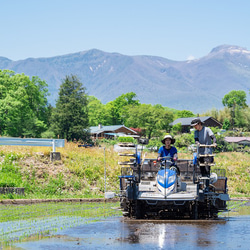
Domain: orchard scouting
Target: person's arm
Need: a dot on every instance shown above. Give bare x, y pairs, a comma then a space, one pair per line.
196, 139
214, 139
159, 154
212, 136
175, 157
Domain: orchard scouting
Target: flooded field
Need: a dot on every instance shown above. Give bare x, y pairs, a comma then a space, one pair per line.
101, 226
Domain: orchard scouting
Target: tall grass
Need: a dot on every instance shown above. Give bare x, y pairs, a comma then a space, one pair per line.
237, 166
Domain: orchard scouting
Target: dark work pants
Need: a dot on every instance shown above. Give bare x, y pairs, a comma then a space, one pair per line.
205, 170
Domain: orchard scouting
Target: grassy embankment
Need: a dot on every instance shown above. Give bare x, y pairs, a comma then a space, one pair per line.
80, 172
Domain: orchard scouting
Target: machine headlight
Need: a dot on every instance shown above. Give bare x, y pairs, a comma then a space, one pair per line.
171, 178
161, 179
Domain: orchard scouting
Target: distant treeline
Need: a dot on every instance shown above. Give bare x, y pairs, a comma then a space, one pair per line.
25, 111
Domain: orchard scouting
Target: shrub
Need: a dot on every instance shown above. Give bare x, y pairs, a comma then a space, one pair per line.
154, 143
126, 139
48, 134
184, 140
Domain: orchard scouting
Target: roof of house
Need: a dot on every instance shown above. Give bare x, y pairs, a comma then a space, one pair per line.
237, 139
113, 128
187, 120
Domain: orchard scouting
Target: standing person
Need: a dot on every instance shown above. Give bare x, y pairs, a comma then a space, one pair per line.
167, 149
204, 135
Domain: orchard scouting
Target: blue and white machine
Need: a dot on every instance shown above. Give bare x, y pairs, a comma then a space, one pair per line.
166, 181
152, 189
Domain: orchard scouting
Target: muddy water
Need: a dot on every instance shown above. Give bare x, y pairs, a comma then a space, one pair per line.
232, 231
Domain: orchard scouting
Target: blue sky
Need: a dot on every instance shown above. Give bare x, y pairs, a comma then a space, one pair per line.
176, 29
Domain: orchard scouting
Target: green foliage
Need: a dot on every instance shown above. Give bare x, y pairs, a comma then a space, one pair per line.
176, 129
184, 140
150, 118
48, 134
242, 118
54, 186
24, 109
214, 113
235, 100
70, 117
10, 175
117, 111
152, 143
226, 124
107, 142
126, 139
96, 112
114, 112
184, 113
230, 147
235, 97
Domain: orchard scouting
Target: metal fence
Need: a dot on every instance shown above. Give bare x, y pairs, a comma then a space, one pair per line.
14, 141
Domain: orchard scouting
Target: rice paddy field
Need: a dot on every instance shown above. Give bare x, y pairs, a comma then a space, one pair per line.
81, 173
23, 222
99, 226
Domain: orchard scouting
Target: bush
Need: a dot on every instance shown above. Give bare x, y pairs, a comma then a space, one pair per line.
184, 140
154, 143
48, 134
176, 129
126, 139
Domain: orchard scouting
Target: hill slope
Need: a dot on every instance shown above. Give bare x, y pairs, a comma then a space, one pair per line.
196, 85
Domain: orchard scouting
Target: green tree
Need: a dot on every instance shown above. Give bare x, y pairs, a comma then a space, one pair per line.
149, 118
235, 98
247, 116
70, 117
214, 113
96, 111
176, 129
24, 109
226, 124
242, 118
184, 113
117, 110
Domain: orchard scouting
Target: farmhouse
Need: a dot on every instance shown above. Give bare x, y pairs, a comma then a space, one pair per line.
244, 141
207, 120
99, 132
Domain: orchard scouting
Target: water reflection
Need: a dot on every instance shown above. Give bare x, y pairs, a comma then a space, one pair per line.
171, 234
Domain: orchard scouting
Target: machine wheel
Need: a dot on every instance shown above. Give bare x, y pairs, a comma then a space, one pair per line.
139, 210
194, 211
136, 210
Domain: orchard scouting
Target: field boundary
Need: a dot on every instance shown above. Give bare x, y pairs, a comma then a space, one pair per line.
35, 201
80, 200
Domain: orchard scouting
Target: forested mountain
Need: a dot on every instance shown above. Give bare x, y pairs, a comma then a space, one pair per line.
196, 85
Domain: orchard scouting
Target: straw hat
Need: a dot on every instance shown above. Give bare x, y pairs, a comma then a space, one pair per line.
166, 137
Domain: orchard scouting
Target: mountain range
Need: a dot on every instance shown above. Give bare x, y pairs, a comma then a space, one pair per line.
196, 85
